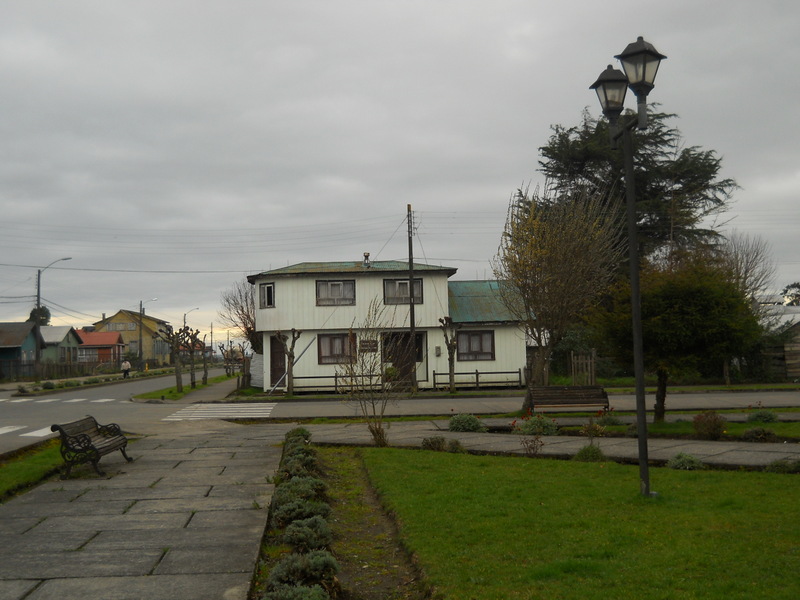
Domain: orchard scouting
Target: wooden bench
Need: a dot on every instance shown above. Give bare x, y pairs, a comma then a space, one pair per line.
84, 441
551, 396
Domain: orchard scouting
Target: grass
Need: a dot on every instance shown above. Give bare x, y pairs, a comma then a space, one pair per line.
28, 468
172, 393
504, 528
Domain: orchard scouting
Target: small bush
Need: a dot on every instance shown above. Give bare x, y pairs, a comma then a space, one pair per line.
455, 447
296, 447
92, 380
296, 510
317, 567
709, 425
297, 592
464, 422
72, 383
299, 488
298, 466
593, 430
536, 425
590, 453
298, 433
308, 534
436, 443
607, 417
22, 389
759, 434
532, 445
762, 416
783, 466
48, 385
685, 462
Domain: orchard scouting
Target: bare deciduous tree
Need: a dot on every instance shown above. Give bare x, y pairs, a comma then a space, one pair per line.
176, 340
557, 254
288, 347
363, 374
239, 312
749, 260
450, 332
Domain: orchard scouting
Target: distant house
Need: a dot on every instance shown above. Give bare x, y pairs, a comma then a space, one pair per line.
100, 347
328, 300
18, 342
128, 323
61, 344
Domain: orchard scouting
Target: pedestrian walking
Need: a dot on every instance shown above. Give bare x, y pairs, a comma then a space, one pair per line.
126, 368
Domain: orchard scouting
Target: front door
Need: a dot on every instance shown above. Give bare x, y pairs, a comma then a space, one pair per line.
277, 361
399, 352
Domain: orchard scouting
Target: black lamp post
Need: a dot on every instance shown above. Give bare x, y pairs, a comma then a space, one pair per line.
640, 61
140, 366
37, 326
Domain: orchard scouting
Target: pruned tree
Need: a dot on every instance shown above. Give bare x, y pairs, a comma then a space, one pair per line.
556, 256
450, 333
192, 341
363, 374
205, 362
239, 313
40, 315
288, 348
176, 339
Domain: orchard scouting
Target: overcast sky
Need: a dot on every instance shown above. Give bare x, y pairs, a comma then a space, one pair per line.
171, 148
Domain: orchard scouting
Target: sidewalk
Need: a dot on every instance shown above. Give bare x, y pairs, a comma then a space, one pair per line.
185, 519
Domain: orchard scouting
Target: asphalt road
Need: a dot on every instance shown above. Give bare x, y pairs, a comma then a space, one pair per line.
25, 420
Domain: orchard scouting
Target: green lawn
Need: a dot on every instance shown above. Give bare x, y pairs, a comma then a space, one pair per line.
29, 468
501, 528
172, 392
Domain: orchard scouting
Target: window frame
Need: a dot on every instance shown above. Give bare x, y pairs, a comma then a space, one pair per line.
347, 285
470, 354
266, 300
349, 345
398, 299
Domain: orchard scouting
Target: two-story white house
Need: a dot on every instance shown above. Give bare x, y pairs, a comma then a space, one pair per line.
327, 302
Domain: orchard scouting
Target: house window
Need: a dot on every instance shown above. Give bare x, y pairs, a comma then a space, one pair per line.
336, 293
266, 295
336, 348
475, 345
395, 291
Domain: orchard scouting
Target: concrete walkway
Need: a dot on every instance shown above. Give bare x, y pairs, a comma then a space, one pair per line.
185, 519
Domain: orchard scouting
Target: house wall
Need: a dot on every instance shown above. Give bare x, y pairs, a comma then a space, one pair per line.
127, 324
54, 354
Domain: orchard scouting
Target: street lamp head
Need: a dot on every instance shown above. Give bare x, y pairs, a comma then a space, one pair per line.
640, 61
611, 87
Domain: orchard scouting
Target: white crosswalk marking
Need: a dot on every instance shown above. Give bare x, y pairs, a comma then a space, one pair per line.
10, 428
75, 400
255, 410
46, 400
37, 433
104, 400
21, 400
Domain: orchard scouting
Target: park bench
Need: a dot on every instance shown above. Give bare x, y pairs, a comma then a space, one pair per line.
85, 441
551, 396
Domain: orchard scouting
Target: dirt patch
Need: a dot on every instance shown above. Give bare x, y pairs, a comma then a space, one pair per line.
374, 564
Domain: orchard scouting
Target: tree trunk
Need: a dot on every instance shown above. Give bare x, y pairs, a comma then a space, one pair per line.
451, 363
726, 371
661, 395
290, 373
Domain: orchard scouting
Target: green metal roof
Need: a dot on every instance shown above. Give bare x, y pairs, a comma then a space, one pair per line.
476, 302
351, 267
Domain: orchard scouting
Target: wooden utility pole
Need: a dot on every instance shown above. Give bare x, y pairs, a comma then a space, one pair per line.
412, 328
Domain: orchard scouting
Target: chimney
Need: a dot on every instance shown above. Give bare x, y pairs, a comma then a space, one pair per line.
366, 264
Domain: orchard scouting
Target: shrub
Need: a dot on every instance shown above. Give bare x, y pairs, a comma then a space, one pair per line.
437, 443
607, 417
304, 535
709, 425
22, 389
455, 447
536, 425
762, 416
296, 447
295, 510
48, 385
298, 433
92, 380
590, 453
685, 462
297, 592
783, 466
593, 430
464, 422
72, 383
532, 445
299, 488
317, 567
759, 434
298, 466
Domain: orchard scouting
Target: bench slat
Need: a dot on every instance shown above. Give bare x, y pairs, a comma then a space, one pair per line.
85, 440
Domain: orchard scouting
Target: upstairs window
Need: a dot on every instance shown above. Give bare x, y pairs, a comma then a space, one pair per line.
396, 291
336, 293
266, 295
475, 345
336, 348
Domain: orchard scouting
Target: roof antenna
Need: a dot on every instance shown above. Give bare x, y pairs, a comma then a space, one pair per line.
366, 264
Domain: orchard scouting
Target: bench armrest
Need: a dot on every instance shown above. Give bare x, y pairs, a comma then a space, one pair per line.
110, 430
